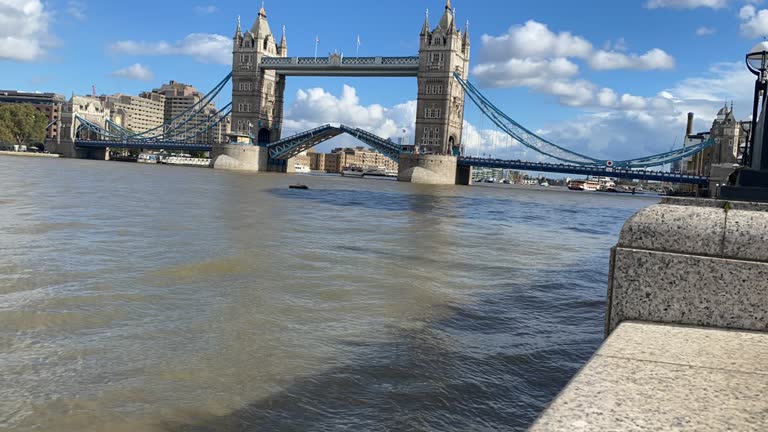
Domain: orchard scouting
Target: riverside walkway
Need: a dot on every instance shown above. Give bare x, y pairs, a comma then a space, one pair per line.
687, 318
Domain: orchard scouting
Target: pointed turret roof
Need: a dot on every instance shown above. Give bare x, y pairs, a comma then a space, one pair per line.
283, 40
466, 33
425, 29
446, 22
238, 31
261, 26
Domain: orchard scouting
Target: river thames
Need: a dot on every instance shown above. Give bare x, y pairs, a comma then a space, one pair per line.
154, 298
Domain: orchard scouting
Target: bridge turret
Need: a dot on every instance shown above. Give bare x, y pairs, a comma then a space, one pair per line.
257, 94
440, 107
425, 30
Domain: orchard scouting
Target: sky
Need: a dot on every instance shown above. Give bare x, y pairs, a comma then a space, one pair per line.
610, 79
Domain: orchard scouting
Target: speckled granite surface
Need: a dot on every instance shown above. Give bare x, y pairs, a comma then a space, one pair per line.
651, 377
696, 264
676, 229
703, 202
746, 235
684, 289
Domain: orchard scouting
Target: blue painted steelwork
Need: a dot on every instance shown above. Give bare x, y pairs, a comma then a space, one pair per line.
146, 145
199, 107
293, 145
122, 142
583, 170
547, 148
118, 129
385, 147
289, 147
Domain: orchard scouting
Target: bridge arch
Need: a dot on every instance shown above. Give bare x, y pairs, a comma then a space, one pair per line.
264, 136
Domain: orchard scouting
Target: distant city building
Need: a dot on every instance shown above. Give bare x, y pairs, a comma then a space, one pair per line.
179, 99
49, 104
138, 114
341, 158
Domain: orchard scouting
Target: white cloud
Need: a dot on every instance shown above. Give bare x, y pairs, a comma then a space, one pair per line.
754, 23
77, 9
533, 56
203, 47
314, 107
747, 12
136, 71
705, 31
611, 60
205, 10
23, 29
533, 40
686, 4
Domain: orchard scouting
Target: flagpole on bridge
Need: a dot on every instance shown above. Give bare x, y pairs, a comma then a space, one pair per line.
357, 51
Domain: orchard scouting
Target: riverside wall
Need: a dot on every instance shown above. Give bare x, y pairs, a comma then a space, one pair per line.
687, 326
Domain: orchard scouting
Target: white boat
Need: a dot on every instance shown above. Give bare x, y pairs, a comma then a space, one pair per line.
375, 172
148, 158
301, 169
584, 185
353, 172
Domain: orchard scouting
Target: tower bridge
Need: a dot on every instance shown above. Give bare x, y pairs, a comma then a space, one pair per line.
261, 65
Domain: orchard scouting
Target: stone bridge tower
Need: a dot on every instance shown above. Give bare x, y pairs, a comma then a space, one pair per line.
257, 95
440, 107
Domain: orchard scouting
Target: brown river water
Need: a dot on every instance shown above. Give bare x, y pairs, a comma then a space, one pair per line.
156, 298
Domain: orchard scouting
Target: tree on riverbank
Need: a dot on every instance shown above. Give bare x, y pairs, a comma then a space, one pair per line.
21, 124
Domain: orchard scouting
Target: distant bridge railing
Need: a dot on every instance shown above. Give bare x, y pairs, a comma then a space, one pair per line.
338, 65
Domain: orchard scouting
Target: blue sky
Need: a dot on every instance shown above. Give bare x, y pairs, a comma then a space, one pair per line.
612, 79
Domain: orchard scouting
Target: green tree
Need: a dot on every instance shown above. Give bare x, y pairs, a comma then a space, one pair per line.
22, 124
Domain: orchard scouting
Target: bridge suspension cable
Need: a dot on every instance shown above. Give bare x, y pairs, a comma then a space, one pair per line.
171, 130
187, 115
547, 148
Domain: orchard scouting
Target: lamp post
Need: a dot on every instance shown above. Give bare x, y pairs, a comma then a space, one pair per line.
750, 182
757, 63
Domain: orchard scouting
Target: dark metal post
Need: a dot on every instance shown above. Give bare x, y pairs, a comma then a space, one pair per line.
747, 158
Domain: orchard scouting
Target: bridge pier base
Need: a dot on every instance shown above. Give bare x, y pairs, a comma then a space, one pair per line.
427, 169
239, 157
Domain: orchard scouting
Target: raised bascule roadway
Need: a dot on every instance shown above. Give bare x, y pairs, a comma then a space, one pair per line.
259, 70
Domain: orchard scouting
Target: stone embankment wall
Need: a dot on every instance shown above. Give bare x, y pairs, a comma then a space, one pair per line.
692, 262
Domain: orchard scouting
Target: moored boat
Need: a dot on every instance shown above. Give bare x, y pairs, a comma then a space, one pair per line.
353, 172
301, 169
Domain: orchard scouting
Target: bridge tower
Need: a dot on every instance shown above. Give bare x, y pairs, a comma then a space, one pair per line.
257, 94
440, 108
